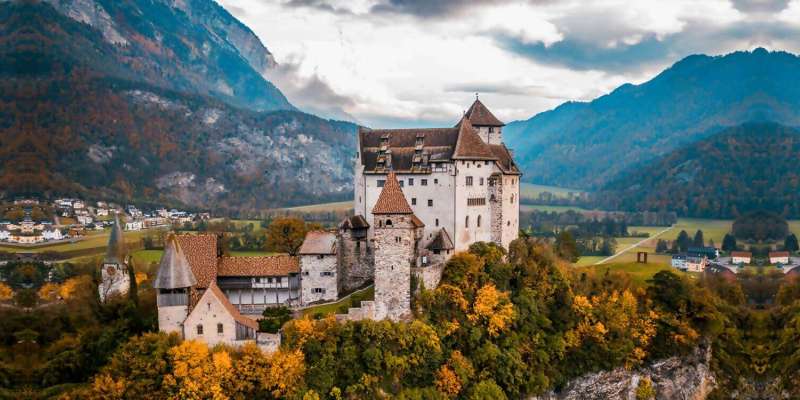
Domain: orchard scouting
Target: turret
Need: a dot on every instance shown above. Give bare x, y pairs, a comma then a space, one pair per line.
174, 282
397, 232
114, 274
489, 128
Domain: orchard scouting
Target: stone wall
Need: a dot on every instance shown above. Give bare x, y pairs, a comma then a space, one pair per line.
429, 275
356, 264
496, 200
313, 270
394, 256
268, 342
170, 319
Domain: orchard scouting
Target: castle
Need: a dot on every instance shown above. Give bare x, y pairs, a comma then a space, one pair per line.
115, 274
420, 196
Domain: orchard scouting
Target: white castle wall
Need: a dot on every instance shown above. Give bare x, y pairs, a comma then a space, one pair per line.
170, 319
312, 268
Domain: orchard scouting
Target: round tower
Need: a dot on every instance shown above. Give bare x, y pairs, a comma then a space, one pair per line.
114, 276
397, 232
174, 281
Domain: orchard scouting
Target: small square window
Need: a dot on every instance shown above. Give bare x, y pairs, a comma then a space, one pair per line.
413, 201
435, 181
401, 183
410, 181
469, 181
423, 182
381, 182
199, 329
480, 181
220, 328
430, 202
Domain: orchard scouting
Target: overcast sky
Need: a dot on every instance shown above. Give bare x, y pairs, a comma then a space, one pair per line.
396, 63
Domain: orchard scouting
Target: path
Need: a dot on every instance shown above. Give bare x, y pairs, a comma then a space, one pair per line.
635, 245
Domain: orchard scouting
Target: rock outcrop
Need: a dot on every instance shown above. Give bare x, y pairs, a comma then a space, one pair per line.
685, 378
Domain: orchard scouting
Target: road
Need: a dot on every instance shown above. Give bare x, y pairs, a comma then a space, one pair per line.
633, 246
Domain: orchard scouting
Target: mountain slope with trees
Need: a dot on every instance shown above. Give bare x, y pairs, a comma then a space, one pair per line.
79, 117
585, 145
745, 168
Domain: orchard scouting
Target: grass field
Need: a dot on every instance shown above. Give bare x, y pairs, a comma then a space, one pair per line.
532, 191
639, 273
529, 207
353, 301
93, 239
712, 228
324, 207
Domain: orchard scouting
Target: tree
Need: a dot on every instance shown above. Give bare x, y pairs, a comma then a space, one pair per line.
728, 243
274, 318
683, 241
285, 235
609, 246
566, 247
6, 293
661, 246
790, 243
698, 241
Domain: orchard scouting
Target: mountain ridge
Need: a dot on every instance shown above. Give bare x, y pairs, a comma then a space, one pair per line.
585, 144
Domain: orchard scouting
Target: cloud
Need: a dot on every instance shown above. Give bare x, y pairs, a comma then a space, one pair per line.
310, 93
760, 6
321, 5
431, 8
507, 88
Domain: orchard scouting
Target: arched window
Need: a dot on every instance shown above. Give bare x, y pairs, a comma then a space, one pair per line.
388, 222
466, 222
479, 221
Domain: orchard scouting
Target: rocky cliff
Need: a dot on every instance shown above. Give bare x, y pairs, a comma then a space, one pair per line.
685, 378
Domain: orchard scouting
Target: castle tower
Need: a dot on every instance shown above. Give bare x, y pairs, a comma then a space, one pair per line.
114, 275
397, 232
174, 281
489, 128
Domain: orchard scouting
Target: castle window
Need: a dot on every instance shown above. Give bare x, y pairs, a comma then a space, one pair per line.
485, 163
466, 222
381, 182
424, 182
220, 328
326, 273
413, 201
508, 223
430, 202
199, 329
398, 239
321, 256
436, 251
476, 201
435, 181
437, 221
318, 290
512, 199
380, 224
388, 222
410, 181
469, 181
480, 181
401, 183
479, 221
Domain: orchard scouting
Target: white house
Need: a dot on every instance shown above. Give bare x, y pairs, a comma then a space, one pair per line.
779, 257
741, 257
134, 225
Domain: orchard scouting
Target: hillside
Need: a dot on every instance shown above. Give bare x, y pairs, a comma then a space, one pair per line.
79, 118
585, 145
744, 168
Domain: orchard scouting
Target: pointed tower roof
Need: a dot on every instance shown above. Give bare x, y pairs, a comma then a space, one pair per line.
469, 145
479, 115
174, 271
116, 250
391, 199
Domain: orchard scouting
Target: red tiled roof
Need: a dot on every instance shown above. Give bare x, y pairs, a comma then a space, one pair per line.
215, 290
282, 265
391, 200
778, 254
741, 254
469, 145
479, 115
319, 242
417, 222
201, 252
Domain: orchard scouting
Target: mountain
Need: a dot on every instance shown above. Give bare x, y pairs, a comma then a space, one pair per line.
586, 145
754, 166
82, 113
185, 45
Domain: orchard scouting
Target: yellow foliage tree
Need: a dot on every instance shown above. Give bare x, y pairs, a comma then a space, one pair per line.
285, 374
69, 288
49, 291
141, 277
447, 382
6, 293
195, 375
493, 308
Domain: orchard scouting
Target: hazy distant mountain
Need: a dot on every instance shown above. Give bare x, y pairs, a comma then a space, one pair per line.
135, 107
585, 145
740, 169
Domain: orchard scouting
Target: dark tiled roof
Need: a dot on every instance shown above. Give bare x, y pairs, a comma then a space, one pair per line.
391, 200
258, 266
116, 251
354, 222
217, 292
319, 242
479, 115
437, 145
470, 146
201, 252
174, 271
441, 241
504, 159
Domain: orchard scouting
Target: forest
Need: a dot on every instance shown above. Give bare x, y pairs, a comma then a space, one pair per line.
741, 169
498, 326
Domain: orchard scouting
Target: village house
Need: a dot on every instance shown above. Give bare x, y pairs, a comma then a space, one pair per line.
690, 262
134, 225
741, 257
779, 257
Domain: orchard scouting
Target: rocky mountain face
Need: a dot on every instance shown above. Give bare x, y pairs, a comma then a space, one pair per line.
192, 46
91, 106
689, 377
586, 145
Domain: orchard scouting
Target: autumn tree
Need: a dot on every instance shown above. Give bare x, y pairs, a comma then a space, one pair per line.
286, 235
6, 293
